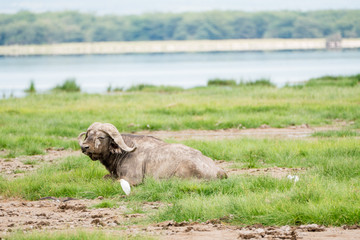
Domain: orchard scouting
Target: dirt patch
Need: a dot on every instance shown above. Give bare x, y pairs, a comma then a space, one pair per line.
16, 167
276, 172
215, 229
264, 131
56, 214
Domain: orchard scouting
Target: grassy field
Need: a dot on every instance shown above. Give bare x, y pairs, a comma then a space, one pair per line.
327, 193
31, 124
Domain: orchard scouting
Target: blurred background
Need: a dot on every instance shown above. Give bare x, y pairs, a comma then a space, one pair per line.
104, 45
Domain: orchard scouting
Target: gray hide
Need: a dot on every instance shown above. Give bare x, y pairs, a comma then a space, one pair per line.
133, 157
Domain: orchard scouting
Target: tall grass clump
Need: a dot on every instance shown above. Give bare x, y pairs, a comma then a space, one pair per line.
153, 88
262, 82
114, 89
31, 88
336, 81
221, 82
68, 86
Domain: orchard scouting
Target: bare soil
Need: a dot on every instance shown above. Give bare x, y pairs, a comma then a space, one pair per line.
276, 172
66, 213
264, 131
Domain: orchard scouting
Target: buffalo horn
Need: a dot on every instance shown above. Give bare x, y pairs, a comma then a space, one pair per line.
114, 134
80, 140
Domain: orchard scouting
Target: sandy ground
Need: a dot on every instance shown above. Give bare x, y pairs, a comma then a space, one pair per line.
66, 213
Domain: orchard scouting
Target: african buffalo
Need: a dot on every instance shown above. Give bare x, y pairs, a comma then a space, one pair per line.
133, 157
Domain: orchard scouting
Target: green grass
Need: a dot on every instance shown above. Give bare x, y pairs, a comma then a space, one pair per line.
76, 177
31, 124
337, 133
31, 88
263, 82
29, 162
221, 82
337, 81
106, 204
327, 193
153, 88
69, 85
74, 235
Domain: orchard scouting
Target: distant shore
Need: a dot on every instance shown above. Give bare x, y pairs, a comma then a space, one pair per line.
173, 46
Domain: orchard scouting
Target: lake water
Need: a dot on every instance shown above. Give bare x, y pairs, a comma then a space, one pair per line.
94, 73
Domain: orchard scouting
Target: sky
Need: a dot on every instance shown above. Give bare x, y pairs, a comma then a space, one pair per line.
125, 7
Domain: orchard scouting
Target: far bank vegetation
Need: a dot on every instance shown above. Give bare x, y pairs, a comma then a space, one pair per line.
71, 26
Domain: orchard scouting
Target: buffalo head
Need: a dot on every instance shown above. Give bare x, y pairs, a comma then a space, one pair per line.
102, 139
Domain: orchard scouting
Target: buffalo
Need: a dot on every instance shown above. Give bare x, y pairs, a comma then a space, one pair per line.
133, 157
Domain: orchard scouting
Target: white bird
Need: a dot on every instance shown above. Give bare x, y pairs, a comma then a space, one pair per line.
125, 186
295, 178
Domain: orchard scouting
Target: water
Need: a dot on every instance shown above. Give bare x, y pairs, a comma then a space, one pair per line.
94, 73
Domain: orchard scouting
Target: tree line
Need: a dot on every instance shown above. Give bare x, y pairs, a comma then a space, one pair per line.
70, 26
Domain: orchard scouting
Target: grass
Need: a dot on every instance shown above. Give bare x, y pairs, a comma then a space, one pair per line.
39, 121
263, 82
114, 89
29, 162
327, 193
338, 81
221, 82
337, 133
68, 86
153, 88
106, 204
74, 235
74, 177
31, 88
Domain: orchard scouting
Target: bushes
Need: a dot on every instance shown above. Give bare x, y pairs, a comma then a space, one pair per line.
31, 88
221, 82
71, 26
153, 88
338, 81
68, 86
232, 83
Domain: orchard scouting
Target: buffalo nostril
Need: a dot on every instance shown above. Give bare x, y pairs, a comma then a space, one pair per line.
84, 148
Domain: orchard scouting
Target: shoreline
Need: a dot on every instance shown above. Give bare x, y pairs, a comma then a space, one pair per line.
187, 46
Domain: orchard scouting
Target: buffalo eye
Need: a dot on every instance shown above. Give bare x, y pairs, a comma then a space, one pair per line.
101, 138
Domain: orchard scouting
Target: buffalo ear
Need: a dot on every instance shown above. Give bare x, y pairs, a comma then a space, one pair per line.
114, 147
